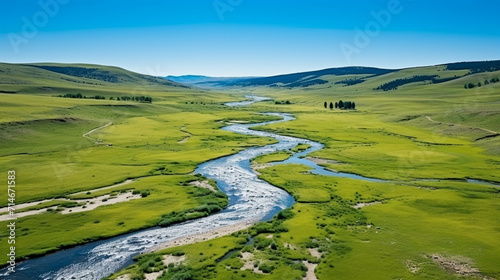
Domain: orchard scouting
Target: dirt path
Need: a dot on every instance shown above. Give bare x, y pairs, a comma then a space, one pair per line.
97, 141
483, 129
25, 205
431, 120
87, 205
310, 271
183, 129
34, 203
91, 204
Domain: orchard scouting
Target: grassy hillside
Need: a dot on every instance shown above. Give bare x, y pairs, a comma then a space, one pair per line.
446, 108
88, 79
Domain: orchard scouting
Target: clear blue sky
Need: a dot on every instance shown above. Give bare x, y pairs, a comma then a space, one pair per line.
248, 37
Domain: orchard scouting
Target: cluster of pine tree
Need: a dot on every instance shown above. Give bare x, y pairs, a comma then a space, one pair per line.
486, 82
343, 105
142, 98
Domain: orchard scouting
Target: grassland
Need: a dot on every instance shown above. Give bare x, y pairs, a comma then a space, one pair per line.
41, 138
273, 157
53, 160
423, 139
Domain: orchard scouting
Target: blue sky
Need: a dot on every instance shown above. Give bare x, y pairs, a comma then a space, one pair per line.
248, 37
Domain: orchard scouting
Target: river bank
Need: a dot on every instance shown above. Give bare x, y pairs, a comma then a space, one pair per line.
215, 233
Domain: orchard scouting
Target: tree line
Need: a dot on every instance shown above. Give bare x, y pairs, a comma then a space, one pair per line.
89, 73
145, 99
342, 105
476, 66
393, 85
350, 82
486, 82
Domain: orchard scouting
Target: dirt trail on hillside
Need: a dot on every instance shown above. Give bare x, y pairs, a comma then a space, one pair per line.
483, 129
97, 141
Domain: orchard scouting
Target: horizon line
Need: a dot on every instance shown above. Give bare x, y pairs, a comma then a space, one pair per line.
249, 76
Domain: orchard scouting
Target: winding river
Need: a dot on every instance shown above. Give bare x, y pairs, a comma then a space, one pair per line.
250, 199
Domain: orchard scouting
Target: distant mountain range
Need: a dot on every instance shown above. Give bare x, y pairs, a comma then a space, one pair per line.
199, 80
320, 77
290, 80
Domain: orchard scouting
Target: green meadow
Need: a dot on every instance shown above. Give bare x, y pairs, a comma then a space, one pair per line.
424, 140
157, 145
53, 160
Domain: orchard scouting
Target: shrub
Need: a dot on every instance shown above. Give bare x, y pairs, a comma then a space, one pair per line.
266, 268
284, 214
208, 208
262, 243
312, 245
69, 204
172, 220
137, 276
220, 194
179, 273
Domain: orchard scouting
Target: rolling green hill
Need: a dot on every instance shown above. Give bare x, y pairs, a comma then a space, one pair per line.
55, 78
